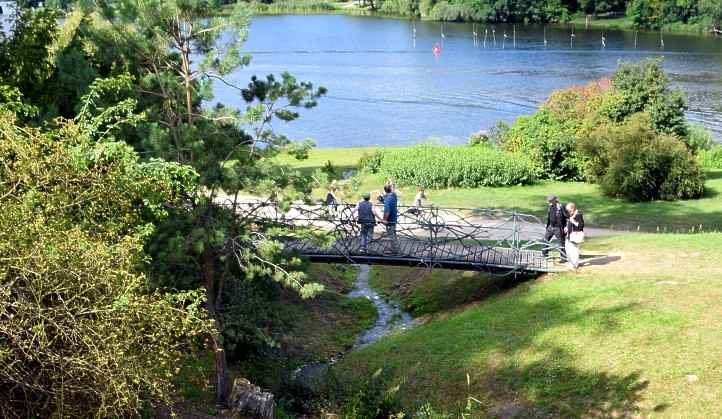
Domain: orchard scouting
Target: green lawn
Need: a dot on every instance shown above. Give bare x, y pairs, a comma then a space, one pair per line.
341, 158
637, 337
604, 23
599, 210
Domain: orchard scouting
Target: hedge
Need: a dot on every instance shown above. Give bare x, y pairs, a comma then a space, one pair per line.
444, 166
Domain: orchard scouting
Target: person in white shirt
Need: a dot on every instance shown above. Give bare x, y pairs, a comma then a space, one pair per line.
415, 209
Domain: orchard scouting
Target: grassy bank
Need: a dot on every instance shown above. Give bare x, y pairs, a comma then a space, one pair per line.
424, 292
636, 337
600, 210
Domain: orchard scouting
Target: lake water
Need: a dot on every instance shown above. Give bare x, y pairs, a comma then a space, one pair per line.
384, 88
7, 16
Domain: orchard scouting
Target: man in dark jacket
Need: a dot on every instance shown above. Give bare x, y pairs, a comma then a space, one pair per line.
367, 217
556, 222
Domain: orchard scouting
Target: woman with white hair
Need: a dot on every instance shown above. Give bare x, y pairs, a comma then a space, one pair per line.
574, 234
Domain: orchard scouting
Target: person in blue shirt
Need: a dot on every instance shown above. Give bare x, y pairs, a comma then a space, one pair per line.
391, 212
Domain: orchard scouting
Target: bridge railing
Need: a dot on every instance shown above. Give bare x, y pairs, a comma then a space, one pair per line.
430, 235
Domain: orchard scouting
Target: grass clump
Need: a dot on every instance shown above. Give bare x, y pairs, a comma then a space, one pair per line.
440, 166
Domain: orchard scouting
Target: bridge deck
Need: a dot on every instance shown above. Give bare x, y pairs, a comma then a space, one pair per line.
410, 252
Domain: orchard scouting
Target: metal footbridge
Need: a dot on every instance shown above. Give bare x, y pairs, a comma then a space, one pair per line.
492, 240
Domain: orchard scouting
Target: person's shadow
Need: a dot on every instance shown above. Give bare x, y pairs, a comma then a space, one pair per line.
597, 260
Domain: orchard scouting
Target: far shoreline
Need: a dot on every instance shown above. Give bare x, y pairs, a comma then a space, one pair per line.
577, 21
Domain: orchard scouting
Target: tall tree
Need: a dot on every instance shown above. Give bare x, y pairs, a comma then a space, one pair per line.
209, 243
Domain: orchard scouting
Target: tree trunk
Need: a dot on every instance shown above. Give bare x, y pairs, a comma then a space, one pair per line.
219, 354
187, 76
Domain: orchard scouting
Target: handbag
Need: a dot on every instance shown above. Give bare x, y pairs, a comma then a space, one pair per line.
576, 237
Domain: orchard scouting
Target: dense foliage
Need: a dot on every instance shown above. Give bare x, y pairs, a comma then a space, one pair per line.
80, 334
653, 14
152, 64
628, 133
548, 143
578, 134
371, 161
638, 163
440, 166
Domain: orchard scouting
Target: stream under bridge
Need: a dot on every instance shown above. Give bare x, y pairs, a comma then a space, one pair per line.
493, 240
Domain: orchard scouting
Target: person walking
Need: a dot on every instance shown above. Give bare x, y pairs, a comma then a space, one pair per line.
367, 216
574, 234
556, 222
391, 213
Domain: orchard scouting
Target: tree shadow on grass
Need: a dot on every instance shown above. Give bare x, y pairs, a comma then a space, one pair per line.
516, 349
551, 387
555, 385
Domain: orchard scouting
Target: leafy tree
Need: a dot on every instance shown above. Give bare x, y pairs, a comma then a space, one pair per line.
712, 9
645, 87
207, 242
26, 60
80, 334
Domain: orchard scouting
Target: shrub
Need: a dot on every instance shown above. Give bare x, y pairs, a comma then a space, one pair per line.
638, 163
548, 143
442, 166
400, 7
712, 158
497, 132
454, 12
698, 138
479, 138
80, 334
375, 397
371, 162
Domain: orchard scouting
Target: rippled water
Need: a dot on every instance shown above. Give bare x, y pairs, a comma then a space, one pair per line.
385, 88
